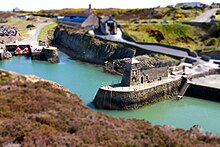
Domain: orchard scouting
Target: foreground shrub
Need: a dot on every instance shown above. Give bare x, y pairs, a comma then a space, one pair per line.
212, 42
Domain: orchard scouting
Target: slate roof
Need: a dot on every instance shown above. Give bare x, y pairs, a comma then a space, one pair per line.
92, 20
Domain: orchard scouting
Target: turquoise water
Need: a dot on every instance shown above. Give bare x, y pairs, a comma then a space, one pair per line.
85, 79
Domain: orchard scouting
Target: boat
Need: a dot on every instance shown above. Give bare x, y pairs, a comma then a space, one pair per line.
7, 55
18, 51
25, 51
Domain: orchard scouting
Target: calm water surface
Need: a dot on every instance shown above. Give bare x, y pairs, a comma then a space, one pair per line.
85, 79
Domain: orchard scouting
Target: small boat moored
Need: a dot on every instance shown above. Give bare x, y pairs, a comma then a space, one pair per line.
18, 51
7, 55
25, 51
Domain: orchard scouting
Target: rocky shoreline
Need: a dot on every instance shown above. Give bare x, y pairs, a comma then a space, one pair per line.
39, 112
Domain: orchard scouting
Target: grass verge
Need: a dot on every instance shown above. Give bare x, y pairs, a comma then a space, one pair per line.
47, 32
171, 34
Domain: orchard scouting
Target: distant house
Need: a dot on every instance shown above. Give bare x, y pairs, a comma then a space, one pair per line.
87, 20
215, 4
16, 10
191, 5
108, 25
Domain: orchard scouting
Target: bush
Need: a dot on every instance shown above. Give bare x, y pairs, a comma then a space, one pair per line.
212, 42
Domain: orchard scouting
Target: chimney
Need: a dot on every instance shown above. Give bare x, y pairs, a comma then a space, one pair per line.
90, 8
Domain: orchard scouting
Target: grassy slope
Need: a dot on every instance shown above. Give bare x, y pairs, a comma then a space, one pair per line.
173, 34
46, 32
20, 24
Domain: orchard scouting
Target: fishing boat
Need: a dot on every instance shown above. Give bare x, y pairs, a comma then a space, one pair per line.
25, 51
7, 55
18, 51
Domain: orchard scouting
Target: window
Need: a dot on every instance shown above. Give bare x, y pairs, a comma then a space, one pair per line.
147, 78
142, 80
134, 72
134, 79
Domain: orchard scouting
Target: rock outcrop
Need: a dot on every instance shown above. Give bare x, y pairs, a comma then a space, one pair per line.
85, 47
36, 112
147, 62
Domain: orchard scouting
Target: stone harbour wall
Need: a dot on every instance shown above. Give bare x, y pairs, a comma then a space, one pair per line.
204, 92
46, 55
119, 100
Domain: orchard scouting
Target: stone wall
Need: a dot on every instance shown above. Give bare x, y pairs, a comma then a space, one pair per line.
154, 74
1, 55
50, 55
203, 92
119, 100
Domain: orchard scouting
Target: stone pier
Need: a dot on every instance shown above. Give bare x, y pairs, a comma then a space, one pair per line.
120, 97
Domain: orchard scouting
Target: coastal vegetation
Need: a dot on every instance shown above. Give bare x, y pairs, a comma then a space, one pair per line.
172, 34
170, 13
35, 112
217, 16
194, 38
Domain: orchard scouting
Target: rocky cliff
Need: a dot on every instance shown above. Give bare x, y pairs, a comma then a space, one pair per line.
83, 46
36, 112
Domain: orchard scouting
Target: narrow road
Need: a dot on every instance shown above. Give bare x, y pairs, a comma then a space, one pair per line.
34, 37
205, 17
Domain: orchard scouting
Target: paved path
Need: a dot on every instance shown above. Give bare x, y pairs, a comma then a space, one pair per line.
205, 17
34, 37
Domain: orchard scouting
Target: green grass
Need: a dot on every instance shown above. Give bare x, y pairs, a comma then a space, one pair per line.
20, 25
174, 34
217, 17
4, 78
46, 32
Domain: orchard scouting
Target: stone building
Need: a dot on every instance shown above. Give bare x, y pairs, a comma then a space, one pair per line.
16, 10
108, 25
91, 22
87, 20
134, 74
